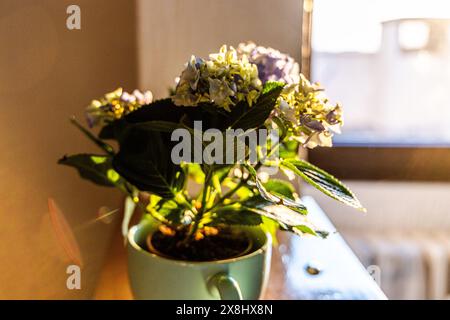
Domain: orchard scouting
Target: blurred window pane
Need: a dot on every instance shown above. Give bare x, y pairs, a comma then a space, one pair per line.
388, 63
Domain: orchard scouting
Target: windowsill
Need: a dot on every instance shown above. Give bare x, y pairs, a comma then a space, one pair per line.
343, 273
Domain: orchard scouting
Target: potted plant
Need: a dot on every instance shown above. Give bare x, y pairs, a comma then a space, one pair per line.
232, 122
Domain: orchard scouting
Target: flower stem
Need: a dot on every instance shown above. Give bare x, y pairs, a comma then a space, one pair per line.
244, 181
202, 209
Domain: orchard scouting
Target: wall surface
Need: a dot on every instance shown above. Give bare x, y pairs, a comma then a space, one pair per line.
391, 207
170, 31
48, 73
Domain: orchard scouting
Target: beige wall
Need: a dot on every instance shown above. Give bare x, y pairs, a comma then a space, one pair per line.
48, 73
391, 207
171, 30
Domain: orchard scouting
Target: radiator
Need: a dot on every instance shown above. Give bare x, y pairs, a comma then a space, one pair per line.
412, 265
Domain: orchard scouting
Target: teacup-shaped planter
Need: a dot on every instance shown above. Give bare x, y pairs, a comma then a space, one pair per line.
199, 252
154, 276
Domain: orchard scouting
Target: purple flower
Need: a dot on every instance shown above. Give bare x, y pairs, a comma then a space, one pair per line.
272, 64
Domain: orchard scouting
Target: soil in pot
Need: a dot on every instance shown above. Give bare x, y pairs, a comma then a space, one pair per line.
227, 243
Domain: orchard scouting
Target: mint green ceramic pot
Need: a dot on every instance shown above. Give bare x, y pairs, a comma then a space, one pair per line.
155, 277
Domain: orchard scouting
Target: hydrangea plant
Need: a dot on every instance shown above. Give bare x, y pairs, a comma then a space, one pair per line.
246, 89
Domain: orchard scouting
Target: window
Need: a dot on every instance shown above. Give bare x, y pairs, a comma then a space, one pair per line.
388, 63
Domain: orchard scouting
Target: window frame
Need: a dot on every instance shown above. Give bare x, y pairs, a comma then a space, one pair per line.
360, 161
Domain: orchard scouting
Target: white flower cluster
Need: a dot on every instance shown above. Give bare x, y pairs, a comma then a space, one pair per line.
223, 79
114, 105
306, 111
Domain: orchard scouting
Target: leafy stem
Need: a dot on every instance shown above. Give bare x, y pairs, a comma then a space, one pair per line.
244, 181
128, 190
100, 143
202, 210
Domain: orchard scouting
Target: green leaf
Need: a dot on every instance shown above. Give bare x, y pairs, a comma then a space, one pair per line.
274, 198
257, 202
246, 117
280, 187
159, 115
288, 149
166, 111
271, 226
286, 218
216, 183
271, 86
145, 161
159, 110
195, 172
323, 181
281, 127
305, 229
170, 210
236, 216
96, 168
220, 173
159, 126
107, 132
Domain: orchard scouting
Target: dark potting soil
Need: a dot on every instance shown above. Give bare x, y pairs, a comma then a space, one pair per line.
226, 244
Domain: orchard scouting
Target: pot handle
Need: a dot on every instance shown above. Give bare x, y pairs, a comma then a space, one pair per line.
228, 287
